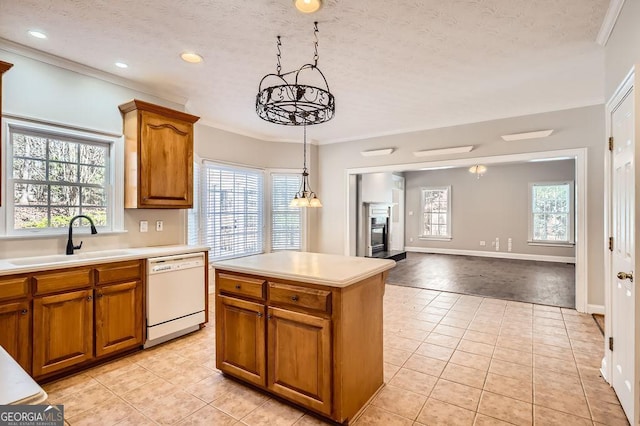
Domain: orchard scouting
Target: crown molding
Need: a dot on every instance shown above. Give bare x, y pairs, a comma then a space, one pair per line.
252, 135
609, 22
70, 65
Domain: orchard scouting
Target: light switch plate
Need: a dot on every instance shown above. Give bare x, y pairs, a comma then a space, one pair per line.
144, 226
159, 225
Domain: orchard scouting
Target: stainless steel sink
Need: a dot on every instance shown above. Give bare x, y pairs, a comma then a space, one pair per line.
63, 258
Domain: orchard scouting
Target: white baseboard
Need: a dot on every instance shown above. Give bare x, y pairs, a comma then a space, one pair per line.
595, 309
497, 254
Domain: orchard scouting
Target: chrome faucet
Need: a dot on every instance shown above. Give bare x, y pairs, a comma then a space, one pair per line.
70, 246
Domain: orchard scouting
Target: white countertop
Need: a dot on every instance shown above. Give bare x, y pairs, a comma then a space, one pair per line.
16, 386
80, 258
315, 268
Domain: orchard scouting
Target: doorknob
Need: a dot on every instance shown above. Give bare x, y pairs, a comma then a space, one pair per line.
624, 276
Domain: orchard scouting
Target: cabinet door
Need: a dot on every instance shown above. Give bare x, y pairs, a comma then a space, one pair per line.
15, 321
299, 354
118, 317
166, 162
62, 331
240, 343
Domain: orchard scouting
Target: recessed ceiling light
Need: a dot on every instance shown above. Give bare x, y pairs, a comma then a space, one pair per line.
191, 57
37, 34
307, 6
121, 65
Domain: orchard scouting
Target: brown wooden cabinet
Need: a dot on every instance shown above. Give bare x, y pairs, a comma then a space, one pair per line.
15, 323
86, 313
319, 347
62, 331
158, 156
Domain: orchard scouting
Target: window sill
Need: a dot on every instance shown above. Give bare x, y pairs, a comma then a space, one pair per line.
426, 238
76, 235
550, 244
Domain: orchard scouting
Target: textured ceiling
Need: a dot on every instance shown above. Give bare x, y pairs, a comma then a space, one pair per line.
393, 65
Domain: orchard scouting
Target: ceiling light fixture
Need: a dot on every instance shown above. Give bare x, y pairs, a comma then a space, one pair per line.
527, 135
37, 34
478, 170
192, 58
305, 197
443, 151
291, 102
376, 152
307, 6
121, 65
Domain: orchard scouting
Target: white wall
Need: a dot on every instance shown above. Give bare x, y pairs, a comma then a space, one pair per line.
493, 206
574, 128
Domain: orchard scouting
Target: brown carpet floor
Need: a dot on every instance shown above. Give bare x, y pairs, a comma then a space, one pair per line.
545, 283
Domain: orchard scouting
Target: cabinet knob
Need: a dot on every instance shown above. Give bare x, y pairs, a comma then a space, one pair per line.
89, 298
294, 298
237, 286
23, 312
269, 316
259, 314
99, 295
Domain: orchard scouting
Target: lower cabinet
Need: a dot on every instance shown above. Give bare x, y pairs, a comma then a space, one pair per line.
63, 330
241, 328
15, 324
118, 317
317, 346
299, 358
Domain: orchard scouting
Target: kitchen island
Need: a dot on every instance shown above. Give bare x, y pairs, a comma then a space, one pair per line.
306, 327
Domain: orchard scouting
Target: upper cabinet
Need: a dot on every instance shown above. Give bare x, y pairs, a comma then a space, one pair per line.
158, 156
4, 67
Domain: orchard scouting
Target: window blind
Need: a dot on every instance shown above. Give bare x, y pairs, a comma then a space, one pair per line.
232, 211
286, 222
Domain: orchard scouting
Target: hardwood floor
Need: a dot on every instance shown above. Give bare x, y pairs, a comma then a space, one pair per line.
545, 283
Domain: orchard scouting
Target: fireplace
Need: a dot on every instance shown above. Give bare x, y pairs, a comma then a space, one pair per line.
377, 229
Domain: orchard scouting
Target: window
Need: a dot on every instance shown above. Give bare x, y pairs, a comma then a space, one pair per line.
232, 211
286, 222
551, 212
436, 212
53, 175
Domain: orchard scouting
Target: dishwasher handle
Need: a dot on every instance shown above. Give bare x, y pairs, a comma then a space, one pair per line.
175, 263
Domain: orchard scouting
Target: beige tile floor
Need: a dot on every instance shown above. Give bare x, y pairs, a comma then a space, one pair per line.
449, 360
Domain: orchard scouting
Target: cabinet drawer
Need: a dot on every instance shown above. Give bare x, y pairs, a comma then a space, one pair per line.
122, 271
63, 280
241, 286
12, 288
294, 295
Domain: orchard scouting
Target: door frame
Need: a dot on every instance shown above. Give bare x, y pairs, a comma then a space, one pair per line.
623, 90
580, 157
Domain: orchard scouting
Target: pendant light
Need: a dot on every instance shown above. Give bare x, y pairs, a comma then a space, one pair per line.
305, 197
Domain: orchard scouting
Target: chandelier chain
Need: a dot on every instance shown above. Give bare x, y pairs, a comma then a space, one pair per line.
279, 67
304, 149
315, 44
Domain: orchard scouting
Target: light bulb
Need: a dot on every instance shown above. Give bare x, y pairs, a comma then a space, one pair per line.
307, 6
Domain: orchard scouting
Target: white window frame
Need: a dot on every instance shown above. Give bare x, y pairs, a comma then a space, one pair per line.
449, 235
554, 243
269, 209
114, 187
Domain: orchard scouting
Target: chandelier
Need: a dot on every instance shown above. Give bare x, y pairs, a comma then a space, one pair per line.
305, 197
478, 170
293, 99
291, 102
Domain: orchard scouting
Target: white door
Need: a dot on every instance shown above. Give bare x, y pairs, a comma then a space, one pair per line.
623, 257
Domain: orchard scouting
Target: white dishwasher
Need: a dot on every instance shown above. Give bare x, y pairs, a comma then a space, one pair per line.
175, 296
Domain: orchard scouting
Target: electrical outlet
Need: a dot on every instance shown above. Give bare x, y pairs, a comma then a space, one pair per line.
159, 225
144, 226
483, 243
411, 239
410, 212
